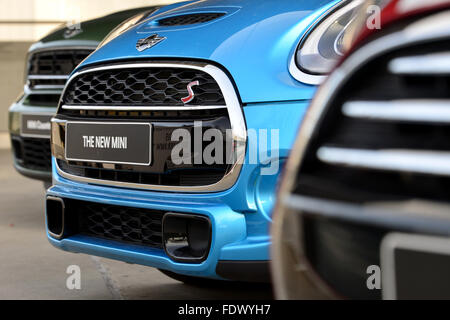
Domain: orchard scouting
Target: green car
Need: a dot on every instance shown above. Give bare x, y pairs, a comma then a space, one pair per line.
49, 64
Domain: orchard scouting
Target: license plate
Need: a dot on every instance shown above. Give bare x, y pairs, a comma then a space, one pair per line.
35, 125
119, 143
415, 267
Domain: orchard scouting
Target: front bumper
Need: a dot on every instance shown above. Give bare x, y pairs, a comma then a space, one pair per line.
41, 171
240, 216
229, 231
341, 241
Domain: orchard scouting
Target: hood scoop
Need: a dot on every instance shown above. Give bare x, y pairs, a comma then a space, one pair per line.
189, 19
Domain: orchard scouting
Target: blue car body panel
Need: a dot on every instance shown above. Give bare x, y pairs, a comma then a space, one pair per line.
254, 44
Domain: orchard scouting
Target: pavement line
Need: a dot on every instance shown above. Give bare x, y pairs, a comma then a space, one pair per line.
112, 286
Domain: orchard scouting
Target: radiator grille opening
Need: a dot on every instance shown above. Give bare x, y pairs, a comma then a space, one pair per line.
56, 62
44, 100
355, 121
150, 93
143, 87
50, 69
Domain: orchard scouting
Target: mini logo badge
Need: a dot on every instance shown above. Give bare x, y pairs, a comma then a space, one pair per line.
147, 43
72, 30
191, 95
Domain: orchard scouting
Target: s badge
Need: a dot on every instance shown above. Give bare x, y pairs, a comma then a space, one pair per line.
191, 95
147, 43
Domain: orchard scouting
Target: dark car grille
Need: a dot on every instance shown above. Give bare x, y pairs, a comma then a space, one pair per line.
143, 87
118, 223
45, 100
115, 94
56, 62
50, 70
360, 183
188, 19
33, 153
43, 83
345, 163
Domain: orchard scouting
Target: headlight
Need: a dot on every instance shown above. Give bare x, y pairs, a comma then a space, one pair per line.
329, 39
124, 26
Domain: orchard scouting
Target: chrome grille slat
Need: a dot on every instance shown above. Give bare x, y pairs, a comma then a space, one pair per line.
429, 64
400, 110
425, 162
396, 213
138, 108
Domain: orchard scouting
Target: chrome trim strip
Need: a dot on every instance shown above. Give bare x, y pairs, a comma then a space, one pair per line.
402, 110
426, 162
238, 127
47, 77
433, 64
56, 91
48, 87
137, 108
398, 216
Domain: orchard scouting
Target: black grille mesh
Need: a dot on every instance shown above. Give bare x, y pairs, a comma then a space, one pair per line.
46, 100
56, 62
34, 153
143, 87
34, 83
188, 19
181, 177
123, 224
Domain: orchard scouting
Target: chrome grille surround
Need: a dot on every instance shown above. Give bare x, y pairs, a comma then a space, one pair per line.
232, 104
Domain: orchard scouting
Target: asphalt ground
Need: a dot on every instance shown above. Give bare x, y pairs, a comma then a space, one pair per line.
30, 268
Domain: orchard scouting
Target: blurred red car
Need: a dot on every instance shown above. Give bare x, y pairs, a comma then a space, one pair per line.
364, 208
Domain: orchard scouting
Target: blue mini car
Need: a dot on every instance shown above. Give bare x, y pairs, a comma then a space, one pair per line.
140, 120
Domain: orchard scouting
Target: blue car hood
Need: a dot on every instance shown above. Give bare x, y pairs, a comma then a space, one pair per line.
254, 41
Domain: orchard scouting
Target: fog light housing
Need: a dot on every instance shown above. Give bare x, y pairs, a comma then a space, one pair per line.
186, 238
54, 212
